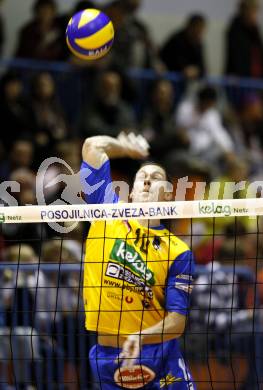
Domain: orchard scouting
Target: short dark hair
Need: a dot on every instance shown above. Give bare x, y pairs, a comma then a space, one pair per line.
83, 4
9, 76
195, 19
39, 3
207, 94
246, 4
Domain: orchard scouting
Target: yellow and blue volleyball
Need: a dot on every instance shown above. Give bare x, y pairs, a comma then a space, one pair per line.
90, 34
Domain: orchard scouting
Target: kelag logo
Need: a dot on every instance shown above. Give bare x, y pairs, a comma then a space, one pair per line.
127, 255
213, 208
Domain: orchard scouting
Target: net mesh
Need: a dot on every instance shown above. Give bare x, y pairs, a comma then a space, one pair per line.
43, 340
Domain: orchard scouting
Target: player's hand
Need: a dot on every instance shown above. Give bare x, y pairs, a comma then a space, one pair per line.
130, 350
135, 146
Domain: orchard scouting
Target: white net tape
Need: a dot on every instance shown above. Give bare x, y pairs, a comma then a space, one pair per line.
122, 211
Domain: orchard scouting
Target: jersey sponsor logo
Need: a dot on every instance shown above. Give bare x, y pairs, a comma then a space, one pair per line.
135, 377
112, 295
184, 287
169, 379
117, 271
113, 270
131, 289
185, 277
129, 299
129, 257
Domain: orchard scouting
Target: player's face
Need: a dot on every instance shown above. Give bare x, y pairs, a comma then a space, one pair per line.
150, 184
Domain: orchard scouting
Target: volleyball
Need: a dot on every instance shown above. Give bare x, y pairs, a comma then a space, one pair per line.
90, 34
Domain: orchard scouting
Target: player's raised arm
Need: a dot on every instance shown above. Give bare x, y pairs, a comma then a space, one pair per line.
95, 168
98, 149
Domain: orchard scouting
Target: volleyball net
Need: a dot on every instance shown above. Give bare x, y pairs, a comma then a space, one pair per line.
43, 341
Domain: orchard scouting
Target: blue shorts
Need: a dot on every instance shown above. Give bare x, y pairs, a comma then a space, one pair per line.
160, 366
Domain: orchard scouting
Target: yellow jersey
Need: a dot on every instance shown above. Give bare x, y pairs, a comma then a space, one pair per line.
133, 275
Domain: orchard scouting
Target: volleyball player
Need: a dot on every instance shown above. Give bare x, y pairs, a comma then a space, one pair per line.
137, 279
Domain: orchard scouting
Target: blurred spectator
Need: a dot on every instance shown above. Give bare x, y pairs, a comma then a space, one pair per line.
27, 180
50, 121
70, 152
235, 170
59, 182
2, 32
108, 114
223, 299
19, 310
224, 232
250, 122
158, 123
244, 55
20, 156
15, 112
59, 291
16, 284
30, 233
183, 51
42, 38
60, 306
25, 177
133, 46
201, 119
83, 4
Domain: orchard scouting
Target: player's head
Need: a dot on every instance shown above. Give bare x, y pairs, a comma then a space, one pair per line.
151, 184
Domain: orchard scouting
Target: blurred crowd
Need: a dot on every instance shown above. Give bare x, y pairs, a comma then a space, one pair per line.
195, 128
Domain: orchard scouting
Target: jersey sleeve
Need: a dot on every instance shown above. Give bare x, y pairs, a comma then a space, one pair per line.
96, 184
180, 283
